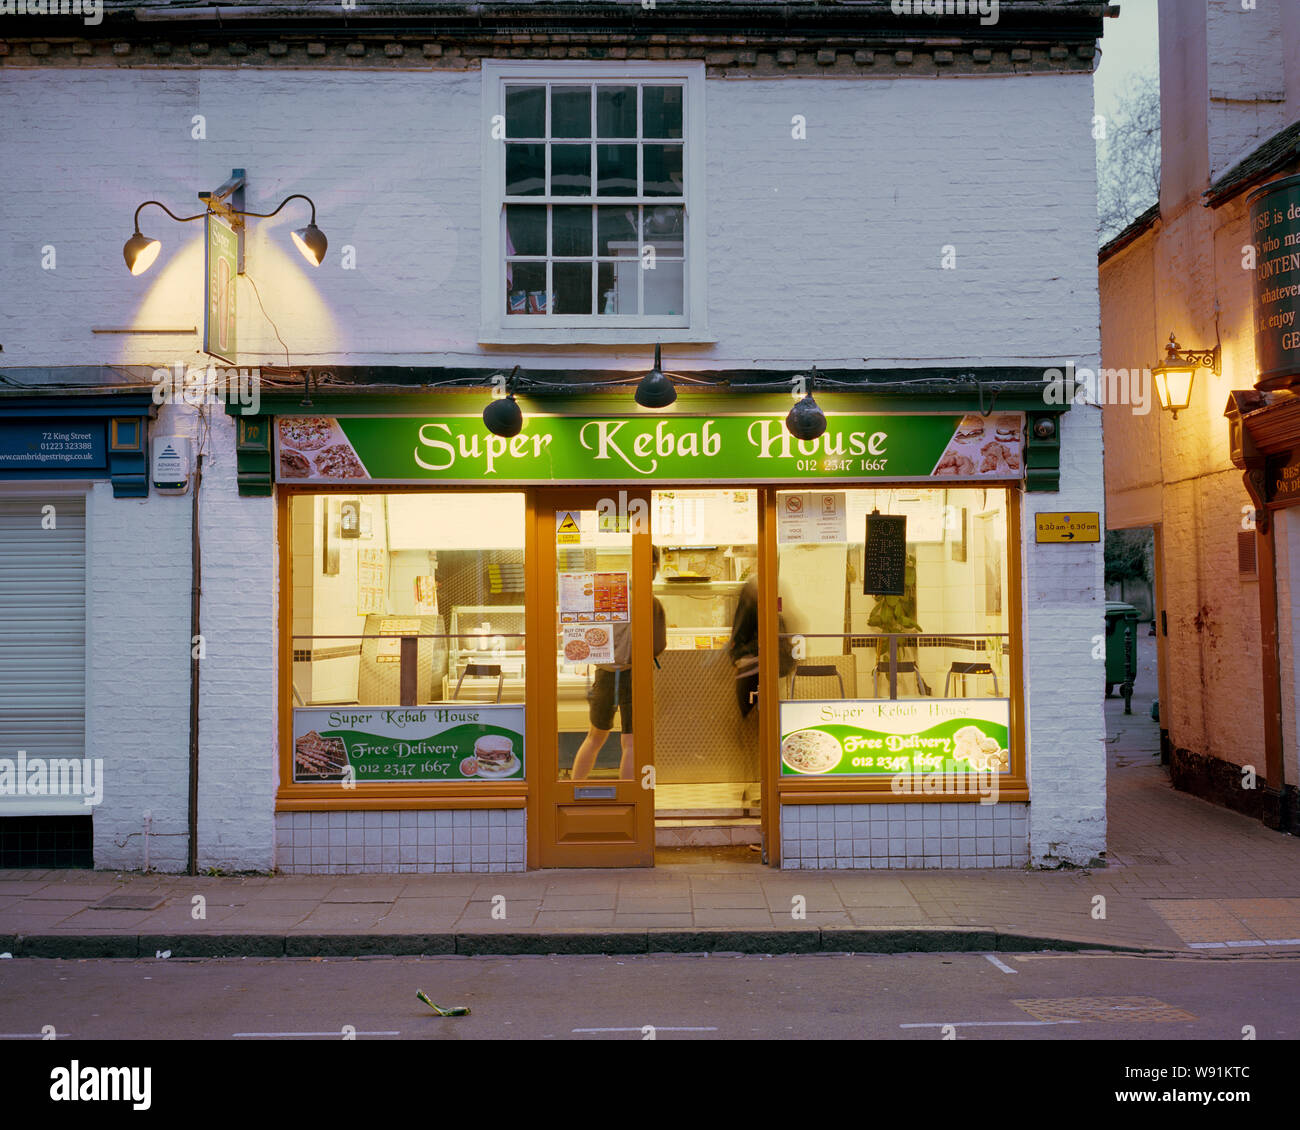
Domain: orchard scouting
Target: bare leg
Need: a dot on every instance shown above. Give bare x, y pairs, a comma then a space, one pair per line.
585, 758
627, 767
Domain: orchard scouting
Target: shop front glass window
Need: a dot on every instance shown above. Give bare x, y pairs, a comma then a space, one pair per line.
894, 631
412, 604
706, 678
593, 642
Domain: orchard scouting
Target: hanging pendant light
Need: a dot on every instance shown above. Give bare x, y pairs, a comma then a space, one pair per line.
655, 389
806, 420
502, 416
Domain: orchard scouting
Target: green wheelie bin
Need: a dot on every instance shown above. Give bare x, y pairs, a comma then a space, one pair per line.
1121, 650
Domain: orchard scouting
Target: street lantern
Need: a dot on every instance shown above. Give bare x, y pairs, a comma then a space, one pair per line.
1175, 374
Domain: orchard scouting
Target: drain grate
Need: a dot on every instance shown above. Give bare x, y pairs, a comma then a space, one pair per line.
1142, 1009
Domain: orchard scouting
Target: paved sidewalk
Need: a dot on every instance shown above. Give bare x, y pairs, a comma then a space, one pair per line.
1182, 875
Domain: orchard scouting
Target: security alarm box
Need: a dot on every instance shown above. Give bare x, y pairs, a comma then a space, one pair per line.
170, 463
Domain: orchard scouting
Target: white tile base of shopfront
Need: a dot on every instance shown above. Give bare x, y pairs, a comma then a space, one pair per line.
414, 842
894, 836
814, 837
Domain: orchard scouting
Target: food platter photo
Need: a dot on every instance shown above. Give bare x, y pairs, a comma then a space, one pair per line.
315, 447
811, 751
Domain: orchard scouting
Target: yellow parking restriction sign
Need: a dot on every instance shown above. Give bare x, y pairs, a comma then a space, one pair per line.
1075, 526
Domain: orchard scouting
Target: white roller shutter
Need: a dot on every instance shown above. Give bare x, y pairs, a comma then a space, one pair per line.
42, 638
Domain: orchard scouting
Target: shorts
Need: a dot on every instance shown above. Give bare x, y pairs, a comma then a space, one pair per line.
607, 688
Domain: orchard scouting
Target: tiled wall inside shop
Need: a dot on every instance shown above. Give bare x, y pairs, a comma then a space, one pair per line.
845, 836
414, 842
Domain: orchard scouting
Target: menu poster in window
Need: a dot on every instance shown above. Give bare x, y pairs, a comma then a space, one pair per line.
426, 595
588, 598
884, 560
372, 582
390, 647
589, 643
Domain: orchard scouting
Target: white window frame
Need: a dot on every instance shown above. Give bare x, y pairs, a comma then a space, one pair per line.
499, 328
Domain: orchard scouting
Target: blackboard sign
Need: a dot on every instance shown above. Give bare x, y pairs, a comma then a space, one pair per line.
884, 561
1275, 229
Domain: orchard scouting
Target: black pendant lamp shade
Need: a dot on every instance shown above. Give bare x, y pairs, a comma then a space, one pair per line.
655, 390
806, 420
502, 416
311, 242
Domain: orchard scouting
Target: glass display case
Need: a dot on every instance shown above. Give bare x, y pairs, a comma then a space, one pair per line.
485, 659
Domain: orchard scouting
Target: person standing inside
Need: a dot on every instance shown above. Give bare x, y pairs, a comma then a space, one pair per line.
611, 687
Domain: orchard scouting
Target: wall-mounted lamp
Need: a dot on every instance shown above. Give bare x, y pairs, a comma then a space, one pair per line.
1174, 375
806, 420
140, 251
655, 389
502, 416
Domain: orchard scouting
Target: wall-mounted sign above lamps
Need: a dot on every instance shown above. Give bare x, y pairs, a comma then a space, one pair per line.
224, 254
1175, 374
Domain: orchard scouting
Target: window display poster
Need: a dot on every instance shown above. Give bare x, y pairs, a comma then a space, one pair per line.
589, 643
424, 743
812, 517
588, 598
844, 737
426, 595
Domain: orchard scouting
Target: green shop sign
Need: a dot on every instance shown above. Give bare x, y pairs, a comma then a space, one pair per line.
867, 737
677, 448
399, 743
220, 271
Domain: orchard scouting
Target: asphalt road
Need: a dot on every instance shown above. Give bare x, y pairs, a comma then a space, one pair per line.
814, 996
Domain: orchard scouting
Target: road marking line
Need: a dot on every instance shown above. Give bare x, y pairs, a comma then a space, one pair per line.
1005, 968
31, 1035
337, 1034
1252, 942
656, 1027
989, 1023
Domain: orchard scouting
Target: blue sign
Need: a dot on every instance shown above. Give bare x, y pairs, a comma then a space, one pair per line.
52, 445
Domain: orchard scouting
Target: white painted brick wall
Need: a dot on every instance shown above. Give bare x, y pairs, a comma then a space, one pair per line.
137, 642
237, 706
1247, 78
1063, 612
824, 249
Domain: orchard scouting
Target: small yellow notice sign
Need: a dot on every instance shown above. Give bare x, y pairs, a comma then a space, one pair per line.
567, 529
1075, 526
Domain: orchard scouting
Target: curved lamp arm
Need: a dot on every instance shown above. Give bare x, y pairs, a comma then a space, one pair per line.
173, 215
268, 215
